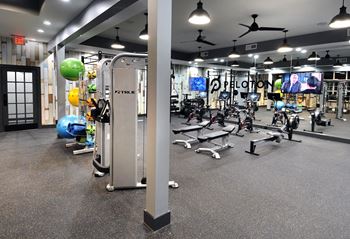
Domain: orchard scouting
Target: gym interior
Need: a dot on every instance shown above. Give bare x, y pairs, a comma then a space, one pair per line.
174, 119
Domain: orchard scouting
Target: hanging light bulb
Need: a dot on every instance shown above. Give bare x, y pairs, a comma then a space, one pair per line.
117, 44
199, 58
342, 20
268, 61
234, 53
144, 33
285, 47
199, 16
314, 57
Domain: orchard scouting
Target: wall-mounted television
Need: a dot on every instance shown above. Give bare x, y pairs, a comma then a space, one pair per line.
307, 83
198, 84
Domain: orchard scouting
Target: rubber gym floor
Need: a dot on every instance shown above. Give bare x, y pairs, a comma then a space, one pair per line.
292, 190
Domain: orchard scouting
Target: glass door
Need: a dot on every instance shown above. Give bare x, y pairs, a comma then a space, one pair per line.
21, 103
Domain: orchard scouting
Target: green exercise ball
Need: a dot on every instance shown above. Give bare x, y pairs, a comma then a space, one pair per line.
278, 84
71, 69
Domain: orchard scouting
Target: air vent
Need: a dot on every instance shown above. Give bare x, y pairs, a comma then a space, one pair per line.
251, 47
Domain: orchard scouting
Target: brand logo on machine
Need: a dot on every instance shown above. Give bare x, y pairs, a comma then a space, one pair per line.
125, 92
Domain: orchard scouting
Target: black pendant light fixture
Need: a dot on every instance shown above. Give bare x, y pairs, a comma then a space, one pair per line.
285, 47
199, 16
337, 64
199, 58
117, 44
284, 58
144, 33
234, 53
297, 64
314, 57
268, 61
327, 56
235, 64
342, 20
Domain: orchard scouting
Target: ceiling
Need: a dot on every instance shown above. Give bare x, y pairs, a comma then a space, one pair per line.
59, 13
298, 16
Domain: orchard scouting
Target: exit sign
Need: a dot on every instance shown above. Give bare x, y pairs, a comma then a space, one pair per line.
19, 40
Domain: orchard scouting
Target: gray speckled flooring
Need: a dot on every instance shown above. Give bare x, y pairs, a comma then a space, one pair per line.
291, 191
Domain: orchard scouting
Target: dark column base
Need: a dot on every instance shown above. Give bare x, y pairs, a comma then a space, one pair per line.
156, 223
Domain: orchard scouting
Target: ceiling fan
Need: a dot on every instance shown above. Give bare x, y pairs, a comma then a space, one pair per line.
255, 27
200, 39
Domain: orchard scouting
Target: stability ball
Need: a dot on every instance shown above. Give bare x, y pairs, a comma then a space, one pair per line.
279, 105
62, 125
278, 84
73, 96
71, 69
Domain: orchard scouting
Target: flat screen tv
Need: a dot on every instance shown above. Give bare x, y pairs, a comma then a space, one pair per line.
307, 83
198, 84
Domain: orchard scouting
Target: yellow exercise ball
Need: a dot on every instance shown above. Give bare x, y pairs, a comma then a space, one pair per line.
279, 91
73, 96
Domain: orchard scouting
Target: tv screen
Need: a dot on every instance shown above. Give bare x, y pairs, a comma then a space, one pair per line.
198, 84
307, 83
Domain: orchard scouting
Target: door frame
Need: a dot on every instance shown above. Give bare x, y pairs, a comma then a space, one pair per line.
36, 95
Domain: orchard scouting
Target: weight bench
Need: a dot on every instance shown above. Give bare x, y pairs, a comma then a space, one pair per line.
273, 136
185, 130
223, 134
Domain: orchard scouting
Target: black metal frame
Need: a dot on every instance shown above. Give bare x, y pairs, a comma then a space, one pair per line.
4, 97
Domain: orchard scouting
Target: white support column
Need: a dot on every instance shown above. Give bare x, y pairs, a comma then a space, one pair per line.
61, 82
157, 214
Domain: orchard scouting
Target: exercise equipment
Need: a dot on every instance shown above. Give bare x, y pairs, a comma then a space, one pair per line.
223, 135
73, 96
62, 126
191, 139
90, 102
123, 70
195, 109
342, 85
291, 124
71, 69
91, 74
318, 118
92, 88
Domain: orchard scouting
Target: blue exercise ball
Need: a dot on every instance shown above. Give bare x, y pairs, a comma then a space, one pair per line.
279, 105
62, 125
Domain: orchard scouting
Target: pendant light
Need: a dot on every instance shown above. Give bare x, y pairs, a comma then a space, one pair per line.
199, 16
327, 56
284, 58
234, 53
297, 64
144, 33
342, 20
314, 57
268, 61
235, 64
337, 64
117, 44
199, 58
285, 47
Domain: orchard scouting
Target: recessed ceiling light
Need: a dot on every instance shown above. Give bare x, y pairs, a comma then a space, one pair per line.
298, 49
65, 0
250, 55
40, 30
303, 51
222, 60
216, 59
190, 62
196, 63
256, 56
47, 23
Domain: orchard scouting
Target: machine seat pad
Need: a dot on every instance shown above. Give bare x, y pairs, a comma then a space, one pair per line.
187, 129
213, 135
275, 134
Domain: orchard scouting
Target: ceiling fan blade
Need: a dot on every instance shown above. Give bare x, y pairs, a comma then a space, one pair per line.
206, 42
244, 34
271, 29
244, 25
